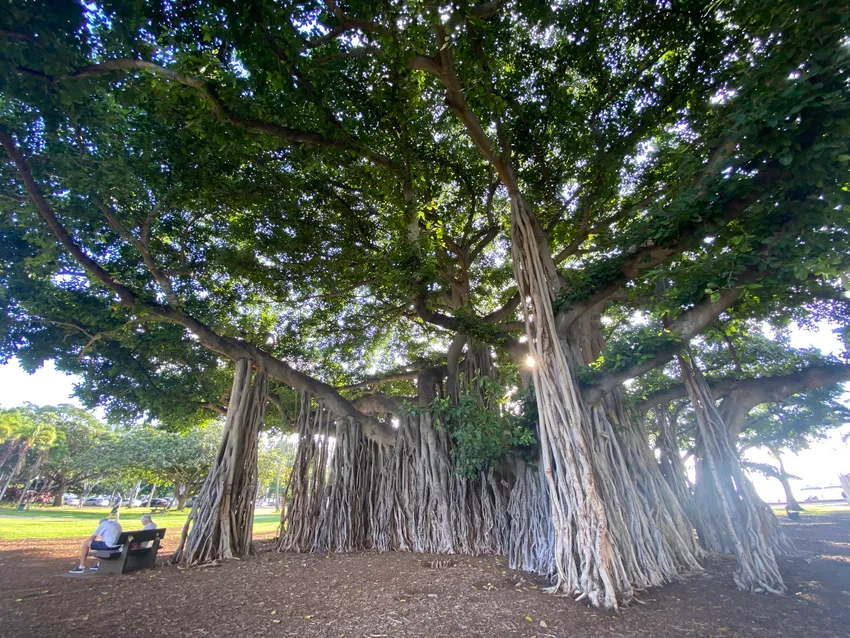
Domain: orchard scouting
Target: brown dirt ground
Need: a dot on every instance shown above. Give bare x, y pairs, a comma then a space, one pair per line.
385, 595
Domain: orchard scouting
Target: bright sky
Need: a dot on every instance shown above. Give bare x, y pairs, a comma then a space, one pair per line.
817, 466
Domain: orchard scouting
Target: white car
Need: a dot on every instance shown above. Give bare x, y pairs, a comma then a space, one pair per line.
97, 501
71, 499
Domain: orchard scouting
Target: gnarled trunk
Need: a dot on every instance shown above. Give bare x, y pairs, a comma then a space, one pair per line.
670, 460
222, 518
346, 492
608, 537
730, 516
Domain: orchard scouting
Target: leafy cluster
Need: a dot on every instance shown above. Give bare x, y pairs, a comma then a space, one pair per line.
483, 427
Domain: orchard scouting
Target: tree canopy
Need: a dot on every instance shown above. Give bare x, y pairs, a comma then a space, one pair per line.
353, 194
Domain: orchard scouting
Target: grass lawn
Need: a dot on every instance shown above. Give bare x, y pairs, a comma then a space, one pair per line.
816, 509
69, 522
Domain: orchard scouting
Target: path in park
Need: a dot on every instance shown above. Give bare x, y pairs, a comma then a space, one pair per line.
393, 594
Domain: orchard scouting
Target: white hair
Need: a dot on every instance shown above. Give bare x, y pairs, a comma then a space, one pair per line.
146, 517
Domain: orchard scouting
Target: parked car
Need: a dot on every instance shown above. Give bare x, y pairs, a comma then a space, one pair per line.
160, 502
135, 502
71, 499
97, 501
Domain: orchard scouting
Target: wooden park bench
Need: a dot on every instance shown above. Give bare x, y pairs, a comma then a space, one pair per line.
132, 554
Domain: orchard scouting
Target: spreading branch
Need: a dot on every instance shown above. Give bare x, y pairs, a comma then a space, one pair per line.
229, 347
223, 113
686, 327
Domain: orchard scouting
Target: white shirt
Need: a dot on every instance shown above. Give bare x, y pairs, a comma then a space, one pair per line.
109, 531
150, 525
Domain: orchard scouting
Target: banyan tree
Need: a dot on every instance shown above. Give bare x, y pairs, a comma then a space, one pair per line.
442, 228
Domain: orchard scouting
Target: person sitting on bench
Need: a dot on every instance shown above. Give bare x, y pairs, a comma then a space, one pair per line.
147, 523
104, 538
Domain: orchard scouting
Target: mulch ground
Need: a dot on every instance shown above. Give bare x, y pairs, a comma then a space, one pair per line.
393, 594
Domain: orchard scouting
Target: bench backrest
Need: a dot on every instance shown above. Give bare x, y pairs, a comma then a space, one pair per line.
141, 536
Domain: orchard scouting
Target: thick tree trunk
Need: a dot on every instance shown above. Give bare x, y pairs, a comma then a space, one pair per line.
670, 460
134, 493
182, 495
783, 477
607, 538
222, 519
61, 488
730, 516
790, 501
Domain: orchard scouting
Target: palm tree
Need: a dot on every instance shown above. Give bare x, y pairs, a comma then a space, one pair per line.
11, 424
32, 434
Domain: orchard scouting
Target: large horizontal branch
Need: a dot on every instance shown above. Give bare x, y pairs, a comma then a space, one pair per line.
458, 325
222, 112
390, 377
650, 255
746, 394
738, 404
719, 389
383, 404
685, 327
229, 347
214, 407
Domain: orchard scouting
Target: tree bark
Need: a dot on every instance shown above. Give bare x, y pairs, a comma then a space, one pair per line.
670, 462
182, 495
608, 541
222, 519
730, 516
61, 488
791, 503
134, 493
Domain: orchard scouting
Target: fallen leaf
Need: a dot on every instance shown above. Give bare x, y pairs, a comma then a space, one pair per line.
308, 617
528, 618
274, 611
543, 624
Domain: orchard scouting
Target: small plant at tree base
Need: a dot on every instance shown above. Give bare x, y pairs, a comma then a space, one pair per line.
484, 427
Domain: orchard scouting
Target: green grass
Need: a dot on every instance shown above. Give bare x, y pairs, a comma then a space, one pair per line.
816, 509
69, 522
